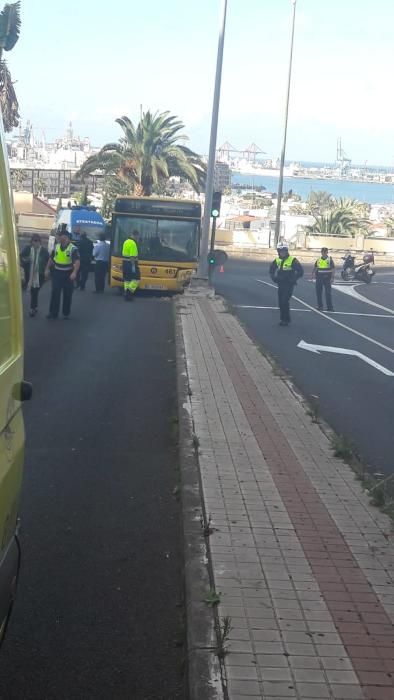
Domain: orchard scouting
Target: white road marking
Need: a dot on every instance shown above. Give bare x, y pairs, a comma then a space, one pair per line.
311, 347
275, 308
308, 311
333, 320
351, 291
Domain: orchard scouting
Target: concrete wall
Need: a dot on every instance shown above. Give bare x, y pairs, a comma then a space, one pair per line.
27, 203
36, 222
359, 243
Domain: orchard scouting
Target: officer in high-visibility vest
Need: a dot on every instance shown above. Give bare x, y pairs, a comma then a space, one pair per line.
323, 273
285, 270
63, 266
131, 272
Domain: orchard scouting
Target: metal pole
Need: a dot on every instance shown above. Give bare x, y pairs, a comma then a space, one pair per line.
211, 249
283, 154
202, 272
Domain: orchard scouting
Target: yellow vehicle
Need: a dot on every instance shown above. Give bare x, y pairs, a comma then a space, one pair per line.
168, 240
13, 390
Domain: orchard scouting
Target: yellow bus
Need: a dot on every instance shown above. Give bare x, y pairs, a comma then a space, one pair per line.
13, 390
168, 240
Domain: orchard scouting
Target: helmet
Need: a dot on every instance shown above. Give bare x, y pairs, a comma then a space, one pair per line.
282, 246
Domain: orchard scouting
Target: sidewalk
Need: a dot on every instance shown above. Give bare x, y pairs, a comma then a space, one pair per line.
304, 565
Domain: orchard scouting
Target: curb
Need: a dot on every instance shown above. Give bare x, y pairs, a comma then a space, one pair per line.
204, 670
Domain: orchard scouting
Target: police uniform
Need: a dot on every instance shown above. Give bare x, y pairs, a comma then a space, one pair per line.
63, 266
324, 268
131, 272
285, 272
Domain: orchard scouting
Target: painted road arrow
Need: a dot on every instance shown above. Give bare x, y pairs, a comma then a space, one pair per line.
344, 351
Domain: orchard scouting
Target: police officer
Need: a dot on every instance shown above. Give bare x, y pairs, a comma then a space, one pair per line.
285, 270
63, 265
131, 272
323, 273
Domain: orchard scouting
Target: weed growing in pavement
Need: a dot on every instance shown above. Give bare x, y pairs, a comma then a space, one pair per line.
314, 410
381, 492
342, 447
223, 633
196, 442
212, 598
206, 525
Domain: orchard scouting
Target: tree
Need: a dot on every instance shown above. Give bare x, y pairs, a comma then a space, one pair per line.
390, 226
319, 202
39, 187
148, 154
17, 179
113, 187
341, 221
9, 34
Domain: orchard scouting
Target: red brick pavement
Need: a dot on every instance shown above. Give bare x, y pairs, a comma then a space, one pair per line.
358, 615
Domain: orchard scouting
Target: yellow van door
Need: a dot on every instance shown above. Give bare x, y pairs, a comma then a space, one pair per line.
11, 388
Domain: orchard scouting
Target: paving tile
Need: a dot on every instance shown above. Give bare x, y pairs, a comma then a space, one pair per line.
312, 690
278, 689
248, 673
315, 572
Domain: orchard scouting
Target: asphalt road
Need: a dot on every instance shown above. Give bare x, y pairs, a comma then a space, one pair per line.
98, 612
355, 398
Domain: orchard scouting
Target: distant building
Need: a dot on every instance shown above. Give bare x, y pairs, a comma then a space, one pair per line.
222, 176
44, 182
29, 149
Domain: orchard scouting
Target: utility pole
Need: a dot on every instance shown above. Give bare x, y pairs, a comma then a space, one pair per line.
202, 272
283, 154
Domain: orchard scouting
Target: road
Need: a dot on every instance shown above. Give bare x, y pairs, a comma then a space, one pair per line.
98, 612
356, 398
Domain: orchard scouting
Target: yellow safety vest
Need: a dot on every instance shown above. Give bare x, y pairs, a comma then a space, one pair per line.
63, 258
130, 249
323, 263
287, 263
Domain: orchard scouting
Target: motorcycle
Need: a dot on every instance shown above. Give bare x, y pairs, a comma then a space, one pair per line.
357, 271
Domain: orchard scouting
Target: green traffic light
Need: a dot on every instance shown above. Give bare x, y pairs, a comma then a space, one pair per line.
215, 213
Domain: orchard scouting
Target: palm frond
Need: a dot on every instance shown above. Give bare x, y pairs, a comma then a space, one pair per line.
10, 24
8, 99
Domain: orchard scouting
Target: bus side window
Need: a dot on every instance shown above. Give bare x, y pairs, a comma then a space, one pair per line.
6, 346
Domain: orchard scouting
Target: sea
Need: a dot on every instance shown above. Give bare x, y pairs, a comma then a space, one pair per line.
370, 192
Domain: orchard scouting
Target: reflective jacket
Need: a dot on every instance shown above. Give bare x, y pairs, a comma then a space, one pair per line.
324, 265
63, 259
286, 270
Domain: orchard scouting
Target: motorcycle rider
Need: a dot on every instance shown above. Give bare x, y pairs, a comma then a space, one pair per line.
323, 273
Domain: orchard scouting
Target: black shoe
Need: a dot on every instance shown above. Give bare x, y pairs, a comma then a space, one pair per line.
331, 308
66, 318
319, 308
32, 312
283, 323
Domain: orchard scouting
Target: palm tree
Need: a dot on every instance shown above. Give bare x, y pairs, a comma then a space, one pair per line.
341, 221
148, 155
320, 202
9, 34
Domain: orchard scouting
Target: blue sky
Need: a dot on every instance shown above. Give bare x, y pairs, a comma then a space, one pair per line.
91, 62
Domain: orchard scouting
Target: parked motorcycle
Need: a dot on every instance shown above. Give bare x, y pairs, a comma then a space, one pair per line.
357, 271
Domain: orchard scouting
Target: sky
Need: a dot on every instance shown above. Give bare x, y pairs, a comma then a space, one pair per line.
91, 62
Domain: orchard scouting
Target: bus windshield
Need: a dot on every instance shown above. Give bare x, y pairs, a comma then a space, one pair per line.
173, 240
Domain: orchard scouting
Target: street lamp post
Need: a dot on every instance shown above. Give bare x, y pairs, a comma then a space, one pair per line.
202, 272
283, 154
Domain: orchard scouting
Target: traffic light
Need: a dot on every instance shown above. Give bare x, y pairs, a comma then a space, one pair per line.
216, 202
211, 258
